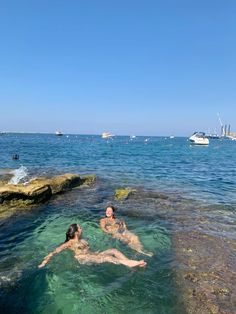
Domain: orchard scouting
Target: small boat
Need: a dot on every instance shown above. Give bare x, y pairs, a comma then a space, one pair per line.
172, 136
199, 138
106, 135
58, 133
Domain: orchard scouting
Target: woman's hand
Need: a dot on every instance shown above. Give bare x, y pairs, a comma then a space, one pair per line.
56, 251
44, 262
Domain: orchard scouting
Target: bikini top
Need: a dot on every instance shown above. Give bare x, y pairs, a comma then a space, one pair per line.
118, 222
81, 245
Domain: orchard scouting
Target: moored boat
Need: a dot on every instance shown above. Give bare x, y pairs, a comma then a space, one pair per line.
58, 133
106, 135
199, 138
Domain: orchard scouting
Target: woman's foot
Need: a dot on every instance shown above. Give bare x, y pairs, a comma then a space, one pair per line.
148, 253
142, 263
132, 263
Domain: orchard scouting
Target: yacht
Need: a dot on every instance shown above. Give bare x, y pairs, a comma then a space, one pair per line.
199, 138
58, 133
106, 135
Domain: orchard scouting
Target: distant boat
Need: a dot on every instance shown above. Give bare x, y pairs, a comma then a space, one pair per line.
132, 136
106, 135
213, 136
231, 137
199, 138
58, 133
172, 136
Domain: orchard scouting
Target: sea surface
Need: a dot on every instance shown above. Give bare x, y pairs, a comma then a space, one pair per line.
199, 182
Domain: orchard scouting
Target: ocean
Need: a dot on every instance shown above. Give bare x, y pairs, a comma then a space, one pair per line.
185, 207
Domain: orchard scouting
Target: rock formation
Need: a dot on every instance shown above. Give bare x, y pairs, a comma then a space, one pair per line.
41, 189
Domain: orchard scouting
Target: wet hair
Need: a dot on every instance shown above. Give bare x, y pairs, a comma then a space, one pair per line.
113, 208
70, 234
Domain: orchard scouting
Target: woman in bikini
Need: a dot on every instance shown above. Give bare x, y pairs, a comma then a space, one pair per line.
83, 254
118, 229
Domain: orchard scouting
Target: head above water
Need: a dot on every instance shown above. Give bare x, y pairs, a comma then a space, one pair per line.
110, 211
73, 231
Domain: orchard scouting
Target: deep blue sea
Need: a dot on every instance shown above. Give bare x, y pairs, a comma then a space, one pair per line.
203, 176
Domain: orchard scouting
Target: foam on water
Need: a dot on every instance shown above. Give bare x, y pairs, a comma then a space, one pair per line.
18, 175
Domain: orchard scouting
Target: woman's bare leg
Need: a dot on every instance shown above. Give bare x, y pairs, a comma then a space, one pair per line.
106, 257
134, 243
115, 253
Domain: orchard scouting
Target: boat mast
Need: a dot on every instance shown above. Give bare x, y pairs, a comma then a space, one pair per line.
221, 124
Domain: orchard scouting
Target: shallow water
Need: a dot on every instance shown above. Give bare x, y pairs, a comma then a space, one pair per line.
200, 186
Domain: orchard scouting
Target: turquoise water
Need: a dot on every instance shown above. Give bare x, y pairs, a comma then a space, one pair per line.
193, 177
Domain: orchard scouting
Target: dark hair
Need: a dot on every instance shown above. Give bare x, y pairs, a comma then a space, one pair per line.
70, 234
113, 208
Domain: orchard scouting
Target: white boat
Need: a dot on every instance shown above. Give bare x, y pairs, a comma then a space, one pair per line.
58, 133
199, 138
106, 135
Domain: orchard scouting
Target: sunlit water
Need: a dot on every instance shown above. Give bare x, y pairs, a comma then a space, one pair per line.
193, 177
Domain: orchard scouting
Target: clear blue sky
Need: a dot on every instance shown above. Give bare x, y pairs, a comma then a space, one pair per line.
126, 66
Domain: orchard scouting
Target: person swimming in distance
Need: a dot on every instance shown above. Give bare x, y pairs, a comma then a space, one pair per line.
118, 229
82, 252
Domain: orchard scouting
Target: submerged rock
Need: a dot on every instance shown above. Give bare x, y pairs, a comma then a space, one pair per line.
123, 194
130, 193
206, 276
41, 189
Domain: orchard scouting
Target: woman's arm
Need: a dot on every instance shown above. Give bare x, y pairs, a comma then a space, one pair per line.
56, 251
103, 225
123, 224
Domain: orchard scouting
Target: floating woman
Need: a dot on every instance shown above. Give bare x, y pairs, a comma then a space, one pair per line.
118, 229
83, 254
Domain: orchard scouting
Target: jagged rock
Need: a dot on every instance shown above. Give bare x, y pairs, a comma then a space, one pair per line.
25, 194
41, 189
